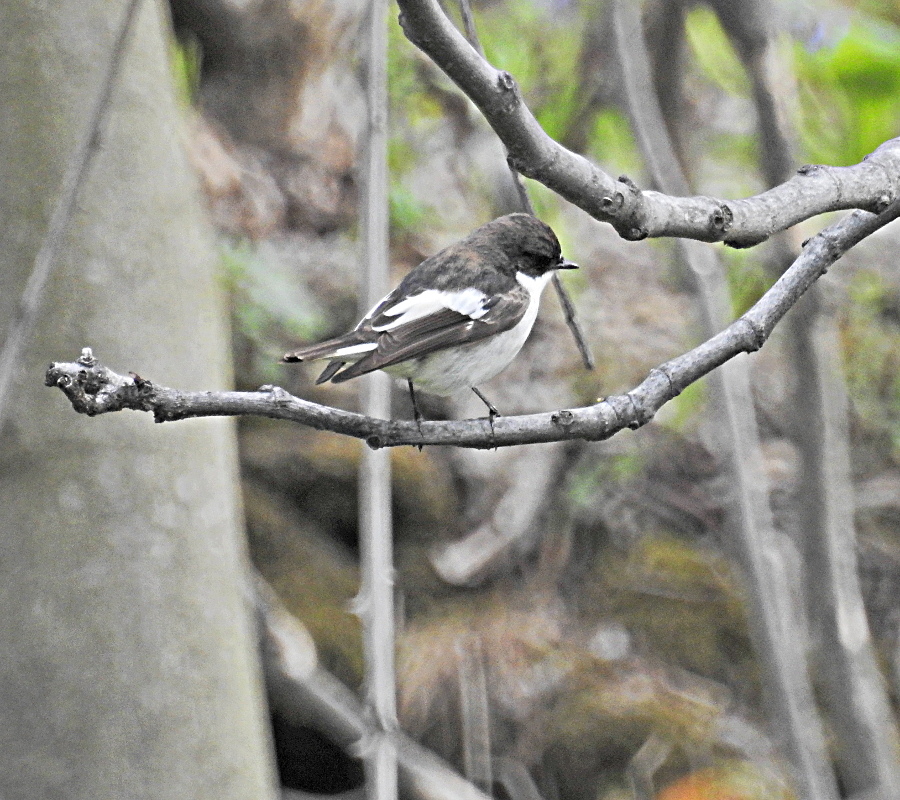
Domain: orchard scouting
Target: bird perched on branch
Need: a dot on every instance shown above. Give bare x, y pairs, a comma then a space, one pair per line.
458, 318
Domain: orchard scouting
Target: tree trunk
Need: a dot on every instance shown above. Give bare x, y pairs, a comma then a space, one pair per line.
128, 666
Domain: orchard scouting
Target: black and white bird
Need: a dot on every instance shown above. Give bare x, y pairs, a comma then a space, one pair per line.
458, 318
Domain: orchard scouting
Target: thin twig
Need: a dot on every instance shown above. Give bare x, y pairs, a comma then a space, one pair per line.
568, 309
644, 765
513, 776
26, 312
565, 300
468, 18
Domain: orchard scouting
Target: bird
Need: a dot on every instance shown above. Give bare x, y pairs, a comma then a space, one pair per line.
457, 319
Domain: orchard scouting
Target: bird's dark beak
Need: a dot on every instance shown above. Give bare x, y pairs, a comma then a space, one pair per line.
564, 263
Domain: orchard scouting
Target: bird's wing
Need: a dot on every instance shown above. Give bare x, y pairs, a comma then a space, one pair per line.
434, 320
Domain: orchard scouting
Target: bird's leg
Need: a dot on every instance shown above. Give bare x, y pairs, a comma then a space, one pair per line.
417, 415
492, 411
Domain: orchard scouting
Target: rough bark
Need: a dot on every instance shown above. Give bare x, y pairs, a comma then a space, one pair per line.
129, 667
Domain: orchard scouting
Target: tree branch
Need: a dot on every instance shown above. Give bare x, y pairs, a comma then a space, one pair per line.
872, 185
301, 690
94, 389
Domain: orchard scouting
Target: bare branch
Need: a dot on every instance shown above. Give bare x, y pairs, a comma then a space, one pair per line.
301, 690
94, 389
474, 710
872, 185
513, 524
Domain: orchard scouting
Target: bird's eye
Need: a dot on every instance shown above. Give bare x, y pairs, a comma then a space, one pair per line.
542, 260
549, 262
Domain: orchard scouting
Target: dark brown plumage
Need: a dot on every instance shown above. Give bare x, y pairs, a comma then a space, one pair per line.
483, 286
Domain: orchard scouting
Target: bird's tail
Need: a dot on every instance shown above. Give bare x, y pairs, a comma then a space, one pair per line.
347, 348
350, 347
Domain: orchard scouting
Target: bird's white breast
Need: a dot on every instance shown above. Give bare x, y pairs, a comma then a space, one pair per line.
449, 371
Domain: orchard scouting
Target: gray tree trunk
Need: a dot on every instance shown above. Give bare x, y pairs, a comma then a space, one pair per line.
127, 656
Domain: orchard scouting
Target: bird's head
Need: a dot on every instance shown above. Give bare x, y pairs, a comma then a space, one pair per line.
531, 245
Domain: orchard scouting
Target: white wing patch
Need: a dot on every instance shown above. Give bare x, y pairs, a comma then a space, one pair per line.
469, 302
354, 350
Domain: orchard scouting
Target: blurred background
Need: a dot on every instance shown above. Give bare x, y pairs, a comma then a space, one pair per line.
593, 585
585, 598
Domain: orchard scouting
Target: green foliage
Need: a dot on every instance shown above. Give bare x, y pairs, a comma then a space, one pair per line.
878, 9
415, 112
872, 351
543, 56
682, 411
185, 57
408, 212
701, 623
747, 278
592, 474
612, 142
850, 92
713, 53
725, 144
268, 307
